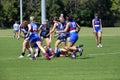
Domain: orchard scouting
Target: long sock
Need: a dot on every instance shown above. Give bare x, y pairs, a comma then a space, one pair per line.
39, 53
29, 52
23, 53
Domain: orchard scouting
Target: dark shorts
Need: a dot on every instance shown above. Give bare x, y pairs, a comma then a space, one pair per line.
45, 35
62, 37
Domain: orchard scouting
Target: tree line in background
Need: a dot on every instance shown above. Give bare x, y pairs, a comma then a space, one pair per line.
82, 11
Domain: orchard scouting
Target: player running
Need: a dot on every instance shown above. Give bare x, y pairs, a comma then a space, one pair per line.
97, 30
45, 29
15, 29
34, 38
72, 27
61, 36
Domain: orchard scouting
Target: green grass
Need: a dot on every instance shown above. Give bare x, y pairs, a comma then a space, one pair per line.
95, 64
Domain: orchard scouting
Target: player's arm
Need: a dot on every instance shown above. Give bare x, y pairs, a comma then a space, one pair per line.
29, 28
66, 28
101, 24
55, 34
39, 28
78, 26
53, 29
93, 25
50, 37
19, 33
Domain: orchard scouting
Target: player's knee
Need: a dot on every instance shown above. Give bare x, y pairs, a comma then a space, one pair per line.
68, 47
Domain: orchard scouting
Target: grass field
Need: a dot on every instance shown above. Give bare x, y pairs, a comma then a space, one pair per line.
95, 64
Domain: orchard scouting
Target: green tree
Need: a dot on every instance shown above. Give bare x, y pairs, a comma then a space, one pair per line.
115, 9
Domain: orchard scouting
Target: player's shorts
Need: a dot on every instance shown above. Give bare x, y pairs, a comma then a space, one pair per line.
34, 38
16, 30
58, 53
62, 37
97, 29
35, 46
44, 35
73, 37
68, 34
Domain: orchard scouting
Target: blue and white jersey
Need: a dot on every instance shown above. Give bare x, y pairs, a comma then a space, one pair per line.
96, 22
16, 27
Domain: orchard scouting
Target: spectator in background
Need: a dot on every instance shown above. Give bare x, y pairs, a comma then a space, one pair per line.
15, 29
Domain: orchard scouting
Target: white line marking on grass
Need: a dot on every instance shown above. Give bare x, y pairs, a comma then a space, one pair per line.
102, 54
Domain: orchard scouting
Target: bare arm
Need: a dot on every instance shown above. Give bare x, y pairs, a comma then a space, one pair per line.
78, 26
54, 27
66, 28
29, 28
101, 24
93, 25
19, 33
39, 28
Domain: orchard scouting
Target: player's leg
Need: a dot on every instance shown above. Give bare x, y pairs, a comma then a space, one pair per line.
41, 39
48, 42
100, 38
72, 41
42, 49
25, 42
36, 52
28, 48
96, 38
35, 46
56, 45
64, 53
32, 51
64, 45
17, 33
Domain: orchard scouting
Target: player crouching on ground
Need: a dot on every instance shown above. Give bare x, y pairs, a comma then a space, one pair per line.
59, 53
